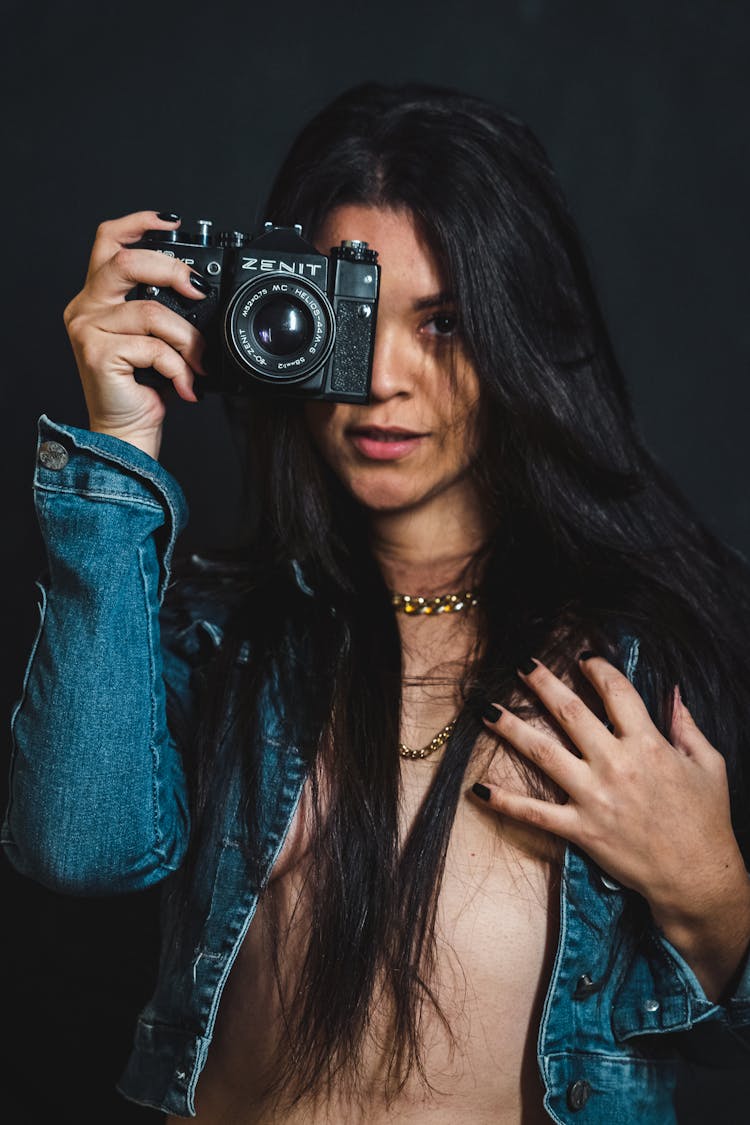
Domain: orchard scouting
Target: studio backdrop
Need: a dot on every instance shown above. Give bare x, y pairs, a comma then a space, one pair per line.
643, 109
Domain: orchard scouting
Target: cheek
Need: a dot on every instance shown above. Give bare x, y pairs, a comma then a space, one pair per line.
472, 406
473, 429
463, 427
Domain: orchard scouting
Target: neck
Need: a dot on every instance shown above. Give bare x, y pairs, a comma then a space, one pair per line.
429, 549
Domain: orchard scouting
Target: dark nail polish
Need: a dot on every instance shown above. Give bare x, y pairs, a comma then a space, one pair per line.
492, 713
527, 666
586, 654
200, 283
481, 790
168, 216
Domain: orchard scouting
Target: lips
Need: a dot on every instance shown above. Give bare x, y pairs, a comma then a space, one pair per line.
385, 433
385, 443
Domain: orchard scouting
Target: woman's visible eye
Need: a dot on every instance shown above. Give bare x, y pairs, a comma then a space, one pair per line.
443, 325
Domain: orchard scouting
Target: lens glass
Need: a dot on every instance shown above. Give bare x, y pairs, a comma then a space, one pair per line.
283, 326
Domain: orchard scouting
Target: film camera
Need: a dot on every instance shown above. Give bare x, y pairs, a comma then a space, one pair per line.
280, 316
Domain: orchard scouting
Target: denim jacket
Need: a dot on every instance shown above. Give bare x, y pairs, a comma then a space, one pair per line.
98, 805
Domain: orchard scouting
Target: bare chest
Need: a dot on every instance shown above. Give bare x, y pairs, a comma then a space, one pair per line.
495, 932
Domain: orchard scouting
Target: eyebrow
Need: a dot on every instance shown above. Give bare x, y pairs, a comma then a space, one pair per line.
443, 298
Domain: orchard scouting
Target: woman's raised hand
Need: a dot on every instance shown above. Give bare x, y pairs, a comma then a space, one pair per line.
111, 337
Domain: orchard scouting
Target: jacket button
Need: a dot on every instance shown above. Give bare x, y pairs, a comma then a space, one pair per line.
608, 882
53, 455
584, 987
579, 1093
651, 1005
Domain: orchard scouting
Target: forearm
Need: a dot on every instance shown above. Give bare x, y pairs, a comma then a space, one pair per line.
97, 794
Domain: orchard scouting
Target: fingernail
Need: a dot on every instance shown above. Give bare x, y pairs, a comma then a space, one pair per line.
481, 790
586, 654
492, 713
200, 283
168, 216
527, 666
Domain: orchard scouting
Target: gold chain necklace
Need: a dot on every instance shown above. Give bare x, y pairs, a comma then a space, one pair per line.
442, 603
434, 744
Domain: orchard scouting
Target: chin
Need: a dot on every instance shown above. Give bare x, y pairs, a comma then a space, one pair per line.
384, 496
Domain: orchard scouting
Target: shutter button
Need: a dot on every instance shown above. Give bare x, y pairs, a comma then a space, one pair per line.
53, 455
579, 1093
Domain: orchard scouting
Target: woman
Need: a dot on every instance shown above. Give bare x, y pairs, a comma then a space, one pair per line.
487, 853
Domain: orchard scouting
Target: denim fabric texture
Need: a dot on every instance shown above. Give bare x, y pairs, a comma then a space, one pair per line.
98, 805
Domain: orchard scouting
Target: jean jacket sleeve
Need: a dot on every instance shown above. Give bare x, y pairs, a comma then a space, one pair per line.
723, 1038
661, 993
97, 791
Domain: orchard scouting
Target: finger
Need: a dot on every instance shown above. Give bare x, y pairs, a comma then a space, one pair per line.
581, 725
150, 318
112, 234
138, 352
625, 709
554, 759
550, 817
684, 732
128, 267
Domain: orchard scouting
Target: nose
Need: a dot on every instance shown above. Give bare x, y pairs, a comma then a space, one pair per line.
390, 365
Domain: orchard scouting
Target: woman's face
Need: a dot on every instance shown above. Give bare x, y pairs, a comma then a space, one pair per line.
416, 437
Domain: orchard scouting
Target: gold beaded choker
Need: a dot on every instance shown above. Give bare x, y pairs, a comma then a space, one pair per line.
434, 744
442, 603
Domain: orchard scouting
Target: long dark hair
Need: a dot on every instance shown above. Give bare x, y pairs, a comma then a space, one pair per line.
593, 538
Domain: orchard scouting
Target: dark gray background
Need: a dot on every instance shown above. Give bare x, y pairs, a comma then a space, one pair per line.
643, 109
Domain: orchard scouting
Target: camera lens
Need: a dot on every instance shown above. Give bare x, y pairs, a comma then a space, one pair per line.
279, 328
283, 326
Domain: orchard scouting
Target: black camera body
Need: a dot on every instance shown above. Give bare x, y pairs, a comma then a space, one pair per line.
280, 316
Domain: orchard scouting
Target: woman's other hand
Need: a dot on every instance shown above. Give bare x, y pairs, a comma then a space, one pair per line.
652, 812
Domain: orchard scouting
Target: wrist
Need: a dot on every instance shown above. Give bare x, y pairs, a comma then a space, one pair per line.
711, 930
689, 903
149, 443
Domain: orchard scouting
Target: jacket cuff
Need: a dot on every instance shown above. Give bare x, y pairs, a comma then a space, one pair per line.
735, 1010
99, 466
